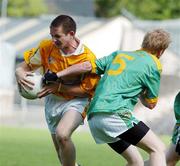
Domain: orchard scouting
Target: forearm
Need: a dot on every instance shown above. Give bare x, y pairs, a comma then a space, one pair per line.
73, 90
76, 69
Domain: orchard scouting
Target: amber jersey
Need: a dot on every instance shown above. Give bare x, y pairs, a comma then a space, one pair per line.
48, 56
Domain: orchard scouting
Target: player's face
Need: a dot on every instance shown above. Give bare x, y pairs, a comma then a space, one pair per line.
60, 39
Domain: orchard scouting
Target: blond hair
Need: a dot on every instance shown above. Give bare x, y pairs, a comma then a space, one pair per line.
156, 40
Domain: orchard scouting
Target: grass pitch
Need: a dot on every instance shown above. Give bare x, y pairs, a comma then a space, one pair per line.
33, 147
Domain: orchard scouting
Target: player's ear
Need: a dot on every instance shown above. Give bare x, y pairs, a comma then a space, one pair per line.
160, 52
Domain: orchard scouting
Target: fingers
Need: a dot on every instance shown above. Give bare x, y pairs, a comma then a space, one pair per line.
48, 89
25, 83
44, 92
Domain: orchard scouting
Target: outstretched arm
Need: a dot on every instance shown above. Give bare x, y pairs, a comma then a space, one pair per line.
76, 69
73, 70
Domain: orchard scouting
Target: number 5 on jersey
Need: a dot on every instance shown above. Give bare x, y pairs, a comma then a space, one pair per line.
119, 59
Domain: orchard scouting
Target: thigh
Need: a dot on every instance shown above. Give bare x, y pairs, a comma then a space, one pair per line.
135, 134
119, 146
132, 154
69, 122
151, 142
57, 108
128, 151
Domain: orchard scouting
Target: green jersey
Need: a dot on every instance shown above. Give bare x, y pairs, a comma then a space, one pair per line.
125, 76
177, 108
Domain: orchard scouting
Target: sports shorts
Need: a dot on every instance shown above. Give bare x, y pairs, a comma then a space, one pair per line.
106, 127
55, 107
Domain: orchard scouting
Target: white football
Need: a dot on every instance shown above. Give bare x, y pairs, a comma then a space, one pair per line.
32, 94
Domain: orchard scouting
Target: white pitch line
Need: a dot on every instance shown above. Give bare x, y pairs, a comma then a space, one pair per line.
20, 28
31, 39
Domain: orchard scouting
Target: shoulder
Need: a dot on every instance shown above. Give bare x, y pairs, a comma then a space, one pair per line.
88, 52
156, 63
45, 43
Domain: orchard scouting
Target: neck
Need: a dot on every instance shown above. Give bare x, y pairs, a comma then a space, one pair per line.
149, 51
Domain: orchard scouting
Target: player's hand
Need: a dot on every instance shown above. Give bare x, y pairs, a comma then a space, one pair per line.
48, 89
21, 77
49, 77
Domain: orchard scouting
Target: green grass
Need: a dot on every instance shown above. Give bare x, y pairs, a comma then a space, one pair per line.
33, 147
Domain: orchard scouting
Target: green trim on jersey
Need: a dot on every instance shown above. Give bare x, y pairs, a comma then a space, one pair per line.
128, 118
177, 108
126, 75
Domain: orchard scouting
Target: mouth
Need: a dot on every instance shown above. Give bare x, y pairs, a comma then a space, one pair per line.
58, 44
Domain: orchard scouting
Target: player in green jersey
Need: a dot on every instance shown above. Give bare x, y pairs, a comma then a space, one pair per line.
127, 77
173, 152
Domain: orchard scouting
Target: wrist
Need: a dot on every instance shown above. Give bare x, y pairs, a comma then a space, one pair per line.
58, 75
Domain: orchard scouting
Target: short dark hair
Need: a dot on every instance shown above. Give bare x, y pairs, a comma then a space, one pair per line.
66, 22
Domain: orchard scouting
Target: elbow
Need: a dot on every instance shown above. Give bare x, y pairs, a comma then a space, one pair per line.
86, 66
18, 69
151, 106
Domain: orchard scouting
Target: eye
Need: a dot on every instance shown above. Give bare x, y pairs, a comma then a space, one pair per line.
57, 36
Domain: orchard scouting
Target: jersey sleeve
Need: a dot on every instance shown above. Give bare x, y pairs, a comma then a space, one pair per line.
33, 58
90, 80
152, 84
89, 83
102, 63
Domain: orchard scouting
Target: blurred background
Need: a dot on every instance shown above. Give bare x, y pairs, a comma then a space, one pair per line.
104, 26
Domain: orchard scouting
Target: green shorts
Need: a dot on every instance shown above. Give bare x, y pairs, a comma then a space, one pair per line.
176, 134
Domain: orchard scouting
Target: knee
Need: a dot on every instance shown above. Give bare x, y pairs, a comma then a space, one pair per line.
135, 161
160, 149
172, 159
171, 162
62, 137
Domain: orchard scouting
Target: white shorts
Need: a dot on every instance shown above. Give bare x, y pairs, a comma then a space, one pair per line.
105, 127
55, 107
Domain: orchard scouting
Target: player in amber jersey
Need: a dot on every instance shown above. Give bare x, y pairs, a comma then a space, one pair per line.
127, 77
66, 99
173, 152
